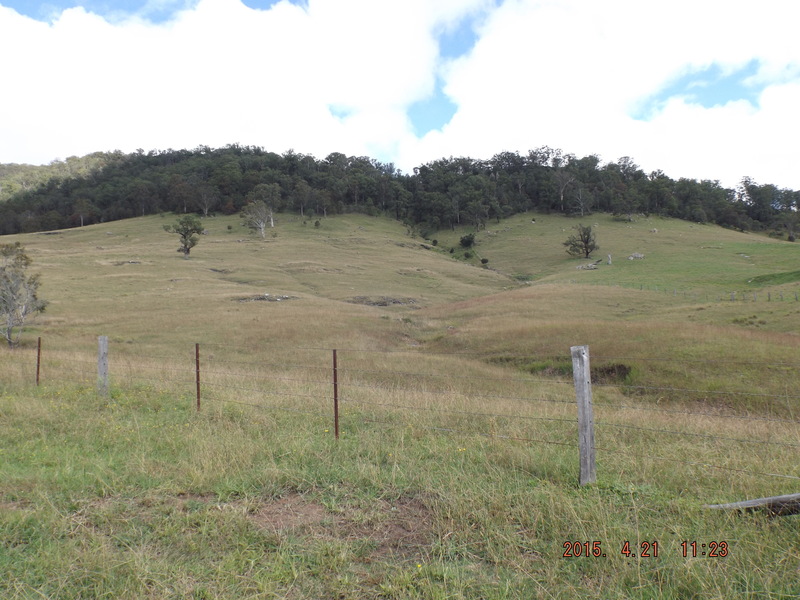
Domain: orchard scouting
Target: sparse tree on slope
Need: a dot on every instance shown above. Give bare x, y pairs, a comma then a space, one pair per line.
268, 194
187, 227
256, 216
18, 291
583, 243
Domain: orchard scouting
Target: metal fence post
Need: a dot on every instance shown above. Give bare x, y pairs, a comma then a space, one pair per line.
38, 359
197, 372
581, 374
335, 396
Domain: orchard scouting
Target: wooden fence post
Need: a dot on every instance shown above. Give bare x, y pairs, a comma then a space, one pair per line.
581, 374
102, 365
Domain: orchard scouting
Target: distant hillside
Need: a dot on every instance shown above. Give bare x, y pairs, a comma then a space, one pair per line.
16, 179
445, 193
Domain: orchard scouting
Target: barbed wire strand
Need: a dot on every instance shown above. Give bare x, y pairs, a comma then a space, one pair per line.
689, 462
276, 408
699, 435
696, 391
456, 412
601, 358
692, 413
472, 433
471, 395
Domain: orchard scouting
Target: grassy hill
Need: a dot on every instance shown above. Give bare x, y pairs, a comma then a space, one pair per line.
455, 474
362, 259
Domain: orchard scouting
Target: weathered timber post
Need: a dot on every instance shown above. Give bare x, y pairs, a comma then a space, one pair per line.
38, 359
777, 506
102, 365
581, 374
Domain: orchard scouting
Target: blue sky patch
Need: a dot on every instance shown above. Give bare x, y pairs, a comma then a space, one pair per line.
709, 87
157, 12
459, 41
340, 112
432, 113
435, 112
267, 4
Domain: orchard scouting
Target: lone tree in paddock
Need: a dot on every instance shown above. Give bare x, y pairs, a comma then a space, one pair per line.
187, 227
18, 291
257, 215
583, 243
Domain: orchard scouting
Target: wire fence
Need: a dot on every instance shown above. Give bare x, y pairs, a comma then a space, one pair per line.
637, 423
741, 296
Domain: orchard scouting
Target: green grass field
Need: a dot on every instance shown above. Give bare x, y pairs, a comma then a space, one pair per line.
455, 475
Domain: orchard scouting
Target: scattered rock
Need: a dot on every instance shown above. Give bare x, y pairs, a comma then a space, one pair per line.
266, 298
382, 301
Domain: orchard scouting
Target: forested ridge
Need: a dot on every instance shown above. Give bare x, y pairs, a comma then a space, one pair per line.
104, 187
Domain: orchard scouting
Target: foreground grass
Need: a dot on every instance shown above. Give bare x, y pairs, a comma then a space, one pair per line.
138, 496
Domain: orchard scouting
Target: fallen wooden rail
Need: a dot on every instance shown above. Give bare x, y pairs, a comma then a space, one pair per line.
775, 505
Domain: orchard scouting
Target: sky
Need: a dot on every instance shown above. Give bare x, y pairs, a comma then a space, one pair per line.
702, 89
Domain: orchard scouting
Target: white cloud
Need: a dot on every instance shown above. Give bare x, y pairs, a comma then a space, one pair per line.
566, 73
570, 74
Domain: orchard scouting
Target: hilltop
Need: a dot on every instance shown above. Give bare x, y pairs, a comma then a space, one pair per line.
449, 192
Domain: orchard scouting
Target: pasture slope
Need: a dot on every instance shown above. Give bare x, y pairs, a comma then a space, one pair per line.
455, 475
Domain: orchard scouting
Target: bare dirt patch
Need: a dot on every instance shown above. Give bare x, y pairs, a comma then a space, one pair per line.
400, 528
12, 505
289, 513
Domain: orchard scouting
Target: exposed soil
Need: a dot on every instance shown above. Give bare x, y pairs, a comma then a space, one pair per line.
399, 528
610, 374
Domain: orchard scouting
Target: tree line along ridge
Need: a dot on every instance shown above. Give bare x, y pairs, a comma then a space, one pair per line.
444, 193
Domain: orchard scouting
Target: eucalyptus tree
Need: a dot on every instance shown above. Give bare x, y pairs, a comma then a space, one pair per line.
187, 228
19, 297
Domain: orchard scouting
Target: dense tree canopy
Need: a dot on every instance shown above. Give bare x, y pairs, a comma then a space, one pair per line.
443, 193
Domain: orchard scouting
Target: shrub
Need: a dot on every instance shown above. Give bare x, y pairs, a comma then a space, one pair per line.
467, 241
